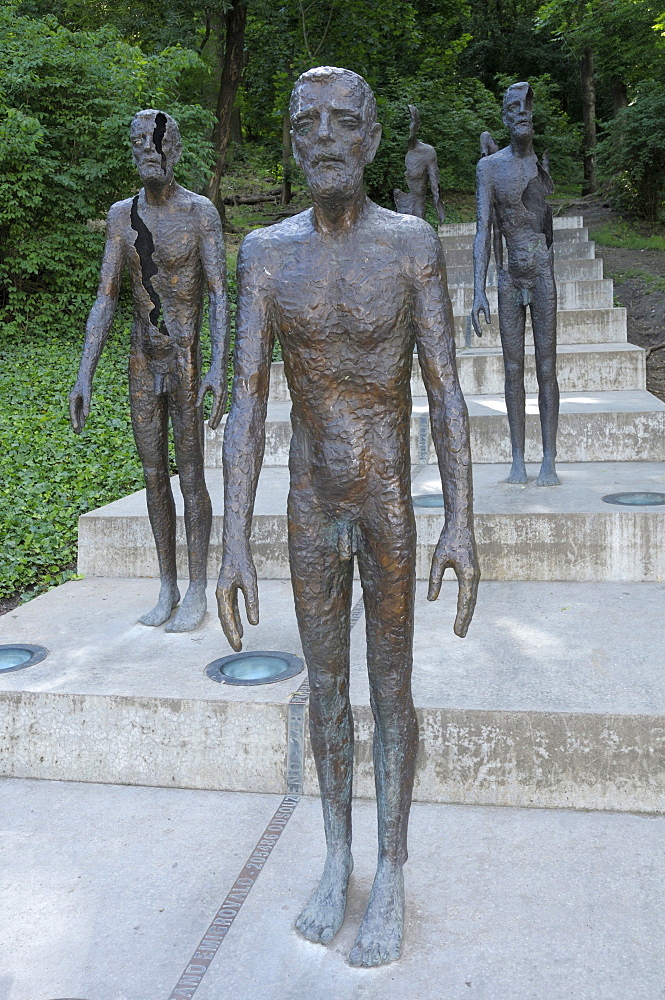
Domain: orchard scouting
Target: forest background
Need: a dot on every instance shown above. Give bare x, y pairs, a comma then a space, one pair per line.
72, 75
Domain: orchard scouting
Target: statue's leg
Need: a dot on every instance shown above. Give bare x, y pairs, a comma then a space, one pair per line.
322, 576
543, 320
512, 319
150, 422
187, 422
386, 556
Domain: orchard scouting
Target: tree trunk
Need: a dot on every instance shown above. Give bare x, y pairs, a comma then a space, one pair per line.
235, 127
619, 94
286, 158
235, 21
589, 118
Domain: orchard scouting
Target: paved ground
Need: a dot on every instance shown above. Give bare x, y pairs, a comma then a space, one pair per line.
106, 891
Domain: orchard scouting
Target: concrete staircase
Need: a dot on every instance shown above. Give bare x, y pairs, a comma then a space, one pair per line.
556, 698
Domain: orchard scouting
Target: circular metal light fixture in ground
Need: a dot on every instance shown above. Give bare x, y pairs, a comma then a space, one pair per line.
636, 499
261, 667
428, 500
17, 655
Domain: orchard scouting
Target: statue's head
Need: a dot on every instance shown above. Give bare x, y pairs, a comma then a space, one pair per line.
156, 145
518, 110
414, 122
334, 129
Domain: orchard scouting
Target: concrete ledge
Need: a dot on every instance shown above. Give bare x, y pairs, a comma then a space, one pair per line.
564, 270
469, 228
593, 427
523, 533
574, 327
573, 294
579, 234
563, 250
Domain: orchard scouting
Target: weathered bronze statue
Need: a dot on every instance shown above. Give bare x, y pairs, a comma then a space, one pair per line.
171, 240
349, 288
422, 167
510, 195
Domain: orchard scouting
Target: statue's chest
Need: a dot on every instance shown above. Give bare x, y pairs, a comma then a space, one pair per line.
360, 295
161, 243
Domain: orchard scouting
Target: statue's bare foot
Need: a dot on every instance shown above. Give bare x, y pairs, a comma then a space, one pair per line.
324, 914
517, 473
547, 476
380, 936
169, 595
192, 611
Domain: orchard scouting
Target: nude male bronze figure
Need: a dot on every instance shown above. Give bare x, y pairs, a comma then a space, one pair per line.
171, 241
422, 167
349, 288
510, 195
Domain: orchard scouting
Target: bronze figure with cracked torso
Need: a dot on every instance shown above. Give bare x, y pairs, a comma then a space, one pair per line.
349, 289
422, 169
511, 189
171, 241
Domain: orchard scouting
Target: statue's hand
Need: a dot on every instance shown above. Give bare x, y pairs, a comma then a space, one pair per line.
480, 305
79, 404
457, 548
237, 573
215, 382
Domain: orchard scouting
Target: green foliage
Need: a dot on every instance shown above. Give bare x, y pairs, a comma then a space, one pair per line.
452, 120
66, 101
622, 235
633, 151
48, 475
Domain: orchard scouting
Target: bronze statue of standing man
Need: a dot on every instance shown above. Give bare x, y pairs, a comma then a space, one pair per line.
171, 241
510, 194
350, 289
422, 169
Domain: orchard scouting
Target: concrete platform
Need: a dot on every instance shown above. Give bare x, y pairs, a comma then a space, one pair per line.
564, 270
469, 228
579, 234
593, 427
555, 698
580, 368
523, 533
571, 294
574, 326
123, 882
563, 250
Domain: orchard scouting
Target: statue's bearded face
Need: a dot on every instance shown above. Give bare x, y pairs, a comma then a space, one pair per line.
518, 110
156, 147
333, 140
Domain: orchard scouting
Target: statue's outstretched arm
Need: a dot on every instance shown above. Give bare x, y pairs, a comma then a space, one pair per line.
213, 260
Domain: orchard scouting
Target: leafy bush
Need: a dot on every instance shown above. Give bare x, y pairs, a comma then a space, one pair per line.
66, 101
633, 150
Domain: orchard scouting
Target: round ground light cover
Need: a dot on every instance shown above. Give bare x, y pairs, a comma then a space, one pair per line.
17, 655
428, 500
254, 667
637, 499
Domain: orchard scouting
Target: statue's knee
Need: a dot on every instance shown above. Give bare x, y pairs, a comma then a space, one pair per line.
156, 477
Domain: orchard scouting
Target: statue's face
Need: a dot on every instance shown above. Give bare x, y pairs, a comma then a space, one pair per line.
332, 140
518, 111
154, 147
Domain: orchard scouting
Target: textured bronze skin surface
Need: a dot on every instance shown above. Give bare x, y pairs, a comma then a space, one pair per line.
422, 169
349, 289
171, 241
511, 189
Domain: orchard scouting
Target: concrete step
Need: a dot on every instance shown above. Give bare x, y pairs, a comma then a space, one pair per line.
465, 242
469, 228
523, 533
571, 269
581, 368
554, 699
593, 427
563, 250
571, 295
574, 326
583, 889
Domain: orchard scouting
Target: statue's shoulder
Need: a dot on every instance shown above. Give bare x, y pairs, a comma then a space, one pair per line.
199, 205
118, 216
405, 230
267, 239
488, 165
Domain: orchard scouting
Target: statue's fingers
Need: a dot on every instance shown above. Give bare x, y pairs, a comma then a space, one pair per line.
236, 613
466, 601
439, 563
218, 407
486, 314
201, 394
227, 618
475, 322
251, 593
